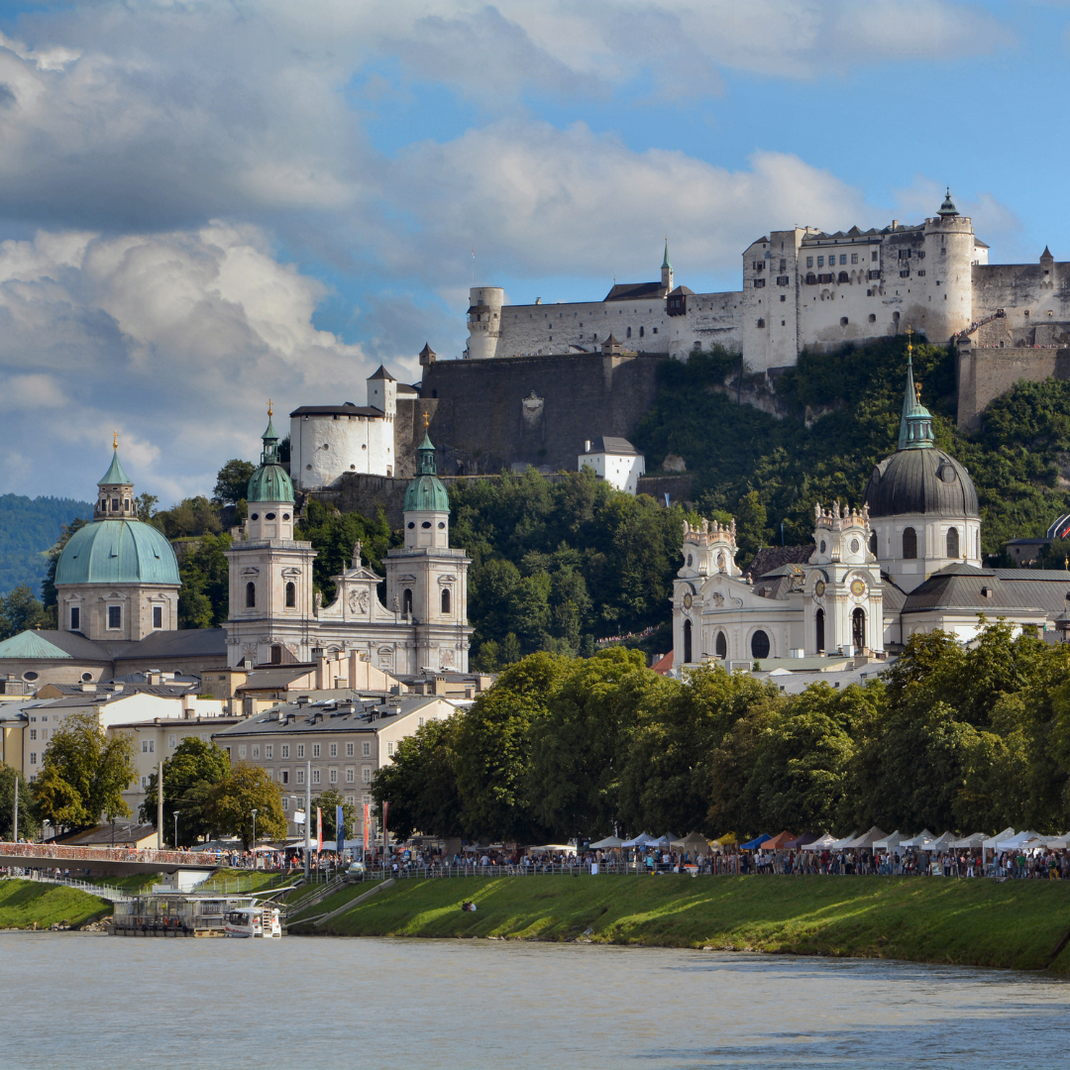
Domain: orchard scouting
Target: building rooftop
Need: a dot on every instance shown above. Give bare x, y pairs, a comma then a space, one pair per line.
612, 445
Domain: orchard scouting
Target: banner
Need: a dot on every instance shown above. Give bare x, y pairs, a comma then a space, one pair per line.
339, 830
299, 817
367, 828
319, 829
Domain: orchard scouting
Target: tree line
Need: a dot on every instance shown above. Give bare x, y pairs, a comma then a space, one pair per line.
971, 738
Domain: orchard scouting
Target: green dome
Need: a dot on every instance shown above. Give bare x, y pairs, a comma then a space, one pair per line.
427, 493
118, 551
270, 482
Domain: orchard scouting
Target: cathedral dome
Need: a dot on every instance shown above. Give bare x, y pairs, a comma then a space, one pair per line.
118, 551
270, 482
427, 493
926, 481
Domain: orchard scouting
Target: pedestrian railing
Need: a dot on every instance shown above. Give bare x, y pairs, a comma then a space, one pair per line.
101, 891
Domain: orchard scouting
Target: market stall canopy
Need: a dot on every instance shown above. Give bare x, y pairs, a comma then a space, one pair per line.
1024, 841
890, 842
607, 843
758, 841
662, 841
972, 842
989, 843
1058, 843
778, 841
838, 845
941, 843
822, 843
800, 841
693, 841
641, 840
924, 837
867, 839
548, 848
729, 839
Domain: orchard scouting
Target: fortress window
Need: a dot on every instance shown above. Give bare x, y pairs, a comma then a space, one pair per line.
445, 600
953, 542
115, 616
760, 323
758, 284
820, 261
905, 274
811, 279
809, 261
921, 254
759, 645
655, 330
641, 331
783, 264
250, 595
844, 277
910, 544
629, 333
291, 596
872, 317
843, 321
873, 255
783, 280
854, 258
922, 272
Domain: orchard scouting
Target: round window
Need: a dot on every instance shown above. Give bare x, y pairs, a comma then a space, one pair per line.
411, 524
29, 676
86, 677
255, 516
854, 546
269, 516
442, 525
426, 524
822, 545
285, 516
688, 560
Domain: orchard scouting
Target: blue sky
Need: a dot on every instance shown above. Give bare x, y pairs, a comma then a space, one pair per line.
206, 204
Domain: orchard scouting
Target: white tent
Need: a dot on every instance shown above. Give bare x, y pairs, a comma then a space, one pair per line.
1058, 843
989, 844
941, 843
1025, 840
661, 842
837, 845
974, 841
551, 848
922, 840
822, 843
641, 840
867, 839
606, 844
890, 842
693, 841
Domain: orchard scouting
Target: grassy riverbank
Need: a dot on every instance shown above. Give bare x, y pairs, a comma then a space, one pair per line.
1017, 924
26, 903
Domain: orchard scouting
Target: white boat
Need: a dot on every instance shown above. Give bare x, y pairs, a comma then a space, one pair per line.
252, 921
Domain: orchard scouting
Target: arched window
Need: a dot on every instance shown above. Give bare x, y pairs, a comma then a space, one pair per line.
721, 648
641, 332
687, 642
445, 600
953, 542
291, 595
406, 601
759, 645
250, 595
820, 621
858, 629
910, 544
873, 543
629, 333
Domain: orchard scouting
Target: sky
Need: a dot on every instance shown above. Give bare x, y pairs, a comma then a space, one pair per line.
204, 205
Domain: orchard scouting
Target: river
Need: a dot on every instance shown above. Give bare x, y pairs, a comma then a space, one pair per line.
95, 1001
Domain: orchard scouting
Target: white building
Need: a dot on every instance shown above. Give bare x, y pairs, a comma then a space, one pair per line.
615, 460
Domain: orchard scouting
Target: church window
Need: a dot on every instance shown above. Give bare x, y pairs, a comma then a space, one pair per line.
822, 545
31, 675
256, 516
115, 616
819, 621
687, 642
250, 595
873, 543
426, 524
442, 525
721, 646
291, 595
115, 505
446, 600
76, 618
269, 516
276, 655
157, 616
689, 559
286, 516
759, 644
412, 524
406, 601
910, 544
952, 542
858, 629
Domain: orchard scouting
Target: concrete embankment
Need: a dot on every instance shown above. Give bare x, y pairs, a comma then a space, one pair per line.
1016, 924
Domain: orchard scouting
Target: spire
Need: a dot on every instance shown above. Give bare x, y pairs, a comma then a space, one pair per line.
270, 452
425, 465
948, 209
916, 425
666, 263
115, 476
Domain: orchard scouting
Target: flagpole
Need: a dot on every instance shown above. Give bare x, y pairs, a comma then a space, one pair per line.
308, 819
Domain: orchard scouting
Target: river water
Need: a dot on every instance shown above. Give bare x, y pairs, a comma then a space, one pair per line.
94, 1001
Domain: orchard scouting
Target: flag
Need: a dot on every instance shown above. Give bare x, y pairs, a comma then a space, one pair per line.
319, 829
339, 830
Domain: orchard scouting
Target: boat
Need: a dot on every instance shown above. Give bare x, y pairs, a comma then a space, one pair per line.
253, 920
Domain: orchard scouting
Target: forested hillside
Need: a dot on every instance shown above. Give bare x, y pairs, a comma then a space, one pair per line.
28, 528
1019, 462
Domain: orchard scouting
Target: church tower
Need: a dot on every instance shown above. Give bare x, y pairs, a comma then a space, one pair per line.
666, 270
427, 580
271, 597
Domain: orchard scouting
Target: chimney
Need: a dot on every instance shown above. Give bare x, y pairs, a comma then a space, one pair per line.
321, 672
586, 445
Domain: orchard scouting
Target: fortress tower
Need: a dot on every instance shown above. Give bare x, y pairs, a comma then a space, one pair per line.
950, 252
484, 321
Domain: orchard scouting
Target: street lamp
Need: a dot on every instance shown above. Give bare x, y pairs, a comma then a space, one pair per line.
176, 829
255, 812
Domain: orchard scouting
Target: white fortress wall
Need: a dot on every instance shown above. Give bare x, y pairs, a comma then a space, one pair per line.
324, 447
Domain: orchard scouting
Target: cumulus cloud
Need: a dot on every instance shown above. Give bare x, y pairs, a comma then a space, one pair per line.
176, 340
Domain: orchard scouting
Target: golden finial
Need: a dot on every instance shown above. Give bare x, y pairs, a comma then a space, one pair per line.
910, 339
917, 391
427, 420
271, 411
115, 440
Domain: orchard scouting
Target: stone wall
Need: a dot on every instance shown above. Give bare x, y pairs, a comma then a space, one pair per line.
493, 415
984, 374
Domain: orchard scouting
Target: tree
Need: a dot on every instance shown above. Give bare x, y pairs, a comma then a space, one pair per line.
195, 767
48, 587
327, 801
19, 611
29, 826
421, 782
233, 799
204, 598
232, 482
84, 774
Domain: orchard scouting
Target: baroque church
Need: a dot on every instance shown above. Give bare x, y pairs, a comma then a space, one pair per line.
907, 561
117, 583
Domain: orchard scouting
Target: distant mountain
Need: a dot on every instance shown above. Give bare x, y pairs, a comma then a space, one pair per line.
29, 527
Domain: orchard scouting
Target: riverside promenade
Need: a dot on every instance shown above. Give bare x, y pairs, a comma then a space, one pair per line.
91, 861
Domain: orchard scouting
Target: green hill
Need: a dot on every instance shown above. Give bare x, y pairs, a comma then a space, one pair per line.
28, 528
769, 470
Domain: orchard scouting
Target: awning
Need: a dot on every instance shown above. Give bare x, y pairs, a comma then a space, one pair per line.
606, 844
758, 841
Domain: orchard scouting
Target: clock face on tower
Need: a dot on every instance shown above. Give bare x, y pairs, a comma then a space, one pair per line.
819, 588
688, 600
858, 587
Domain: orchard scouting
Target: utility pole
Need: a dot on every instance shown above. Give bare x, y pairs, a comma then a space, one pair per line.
308, 820
15, 818
159, 807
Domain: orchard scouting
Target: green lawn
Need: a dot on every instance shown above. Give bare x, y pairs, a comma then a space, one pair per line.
1018, 924
24, 902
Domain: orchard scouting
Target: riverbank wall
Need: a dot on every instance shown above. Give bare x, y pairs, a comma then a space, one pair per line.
970, 922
